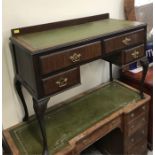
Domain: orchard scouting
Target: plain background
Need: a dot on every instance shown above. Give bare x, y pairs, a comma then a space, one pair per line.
21, 13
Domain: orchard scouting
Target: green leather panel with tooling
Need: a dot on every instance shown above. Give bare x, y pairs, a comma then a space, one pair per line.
64, 123
69, 34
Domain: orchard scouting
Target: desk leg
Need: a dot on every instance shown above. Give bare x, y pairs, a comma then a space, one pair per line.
40, 108
145, 65
110, 71
20, 93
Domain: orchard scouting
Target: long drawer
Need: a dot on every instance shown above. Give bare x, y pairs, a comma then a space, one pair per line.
88, 139
61, 81
62, 59
124, 40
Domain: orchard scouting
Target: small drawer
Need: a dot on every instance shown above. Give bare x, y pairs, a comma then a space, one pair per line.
135, 125
137, 137
135, 113
124, 40
62, 59
139, 149
61, 81
133, 54
126, 56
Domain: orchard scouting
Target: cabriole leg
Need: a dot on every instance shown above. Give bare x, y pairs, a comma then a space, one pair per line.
40, 108
144, 64
20, 93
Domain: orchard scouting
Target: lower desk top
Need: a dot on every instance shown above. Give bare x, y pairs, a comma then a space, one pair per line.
64, 123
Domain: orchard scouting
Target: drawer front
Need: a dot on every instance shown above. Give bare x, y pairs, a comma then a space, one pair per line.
137, 124
135, 113
56, 61
136, 137
133, 54
95, 135
139, 149
124, 40
61, 81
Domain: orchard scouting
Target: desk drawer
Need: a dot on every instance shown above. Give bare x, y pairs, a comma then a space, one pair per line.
61, 81
124, 40
135, 113
88, 138
137, 137
137, 124
139, 149
133, 54
62, 59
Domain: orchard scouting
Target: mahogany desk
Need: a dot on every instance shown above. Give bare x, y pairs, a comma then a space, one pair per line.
47, 57
79, 122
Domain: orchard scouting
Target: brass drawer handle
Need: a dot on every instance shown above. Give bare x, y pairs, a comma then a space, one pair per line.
132, 140
132, 115
126, 41
62, 82
143, 107
143, 119
75, 57
135, 54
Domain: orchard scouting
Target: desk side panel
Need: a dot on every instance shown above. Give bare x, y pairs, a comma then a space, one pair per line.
25, 70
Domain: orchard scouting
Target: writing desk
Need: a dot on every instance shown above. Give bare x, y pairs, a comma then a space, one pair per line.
79, 122
47, 57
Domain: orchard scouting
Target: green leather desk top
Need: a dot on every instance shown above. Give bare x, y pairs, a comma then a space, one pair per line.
66, 122
65, 35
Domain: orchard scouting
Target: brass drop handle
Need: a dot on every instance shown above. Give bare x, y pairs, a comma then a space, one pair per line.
132, 115
143, 146
75, 57
126, 41
132, 140
62, 82
143, 108
143, 119
135, 54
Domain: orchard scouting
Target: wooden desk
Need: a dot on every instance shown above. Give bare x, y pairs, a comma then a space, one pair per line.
47, 57
77, 123
133, 79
